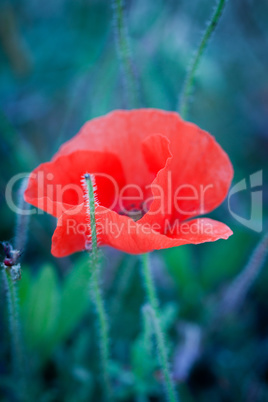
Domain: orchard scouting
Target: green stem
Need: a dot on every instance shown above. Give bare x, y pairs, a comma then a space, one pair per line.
236, 292
23, 218
103, 333
123, 49
189, 82
15, 334
97, 293
153, 311
147, 330
149, 284
122, 281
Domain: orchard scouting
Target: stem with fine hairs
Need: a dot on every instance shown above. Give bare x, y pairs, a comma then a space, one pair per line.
17, 350
152, 309
124, 54
189, 81
104, 344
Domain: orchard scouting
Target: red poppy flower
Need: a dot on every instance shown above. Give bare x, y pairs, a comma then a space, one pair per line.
154, 173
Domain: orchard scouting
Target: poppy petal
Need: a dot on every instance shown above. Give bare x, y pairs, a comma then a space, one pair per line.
201, 171
123, 233
134, 238
193, 183
122, 132
56, 186
180, 169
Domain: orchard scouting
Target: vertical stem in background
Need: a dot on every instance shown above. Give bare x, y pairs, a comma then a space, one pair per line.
15, 333
152, 309
122, 282
123, 49
23, 217
11, 274
189, 81
149, 284
103, 333
96, 290
239, 287
148, 331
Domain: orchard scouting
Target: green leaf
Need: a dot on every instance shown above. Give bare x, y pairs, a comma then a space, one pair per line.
74, 298
222, 260
41, 310
143, 365
179, 265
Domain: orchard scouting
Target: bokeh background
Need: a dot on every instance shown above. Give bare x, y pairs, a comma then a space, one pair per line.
58, 68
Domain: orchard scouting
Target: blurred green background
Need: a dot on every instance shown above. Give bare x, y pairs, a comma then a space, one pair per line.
59, 67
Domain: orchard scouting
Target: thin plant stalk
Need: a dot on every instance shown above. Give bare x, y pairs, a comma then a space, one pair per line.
15, 333
152, 309
236, 292
23, 218
103, 333
11, 274
147, 330
123, 49
104, 344
123, 282
149, 283
189, 82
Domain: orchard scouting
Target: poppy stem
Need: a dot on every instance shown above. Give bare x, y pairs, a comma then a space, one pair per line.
103, 333
97, 298
23, 218
236, 292
189, 81
148, 332
124, 54
15, 331
152, 309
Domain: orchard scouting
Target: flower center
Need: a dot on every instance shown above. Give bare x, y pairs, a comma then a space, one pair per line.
135, 212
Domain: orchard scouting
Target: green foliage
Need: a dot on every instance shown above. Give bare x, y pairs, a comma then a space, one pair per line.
74, 299
180, 265
222, 261
40, 310
52, 310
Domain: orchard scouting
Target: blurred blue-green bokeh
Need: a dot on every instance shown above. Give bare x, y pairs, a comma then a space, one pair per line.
59, 68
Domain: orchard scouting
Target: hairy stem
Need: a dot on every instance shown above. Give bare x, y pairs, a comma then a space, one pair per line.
103, 333
97, 298
236, 292
15, 334
189, 82
149, 283
123, 49
23, 218
148, 333
152, 309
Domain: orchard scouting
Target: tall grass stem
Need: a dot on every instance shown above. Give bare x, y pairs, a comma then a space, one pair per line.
189, 81
152, 309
